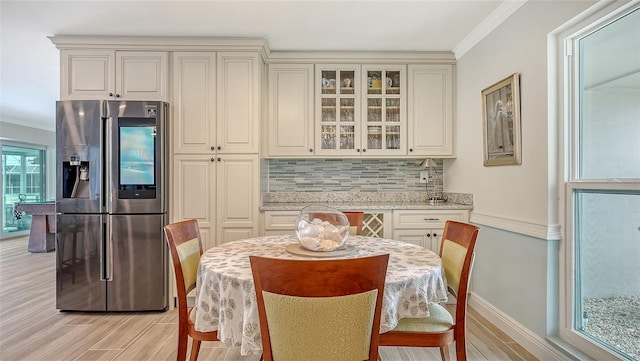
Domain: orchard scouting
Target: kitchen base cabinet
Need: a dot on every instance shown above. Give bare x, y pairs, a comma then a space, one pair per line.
374, 223
424, 227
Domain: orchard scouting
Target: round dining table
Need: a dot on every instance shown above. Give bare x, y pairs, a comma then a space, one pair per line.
226, 300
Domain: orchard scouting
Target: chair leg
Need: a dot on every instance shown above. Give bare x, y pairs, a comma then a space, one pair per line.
461, 349
195, 349
444, 353
182, 345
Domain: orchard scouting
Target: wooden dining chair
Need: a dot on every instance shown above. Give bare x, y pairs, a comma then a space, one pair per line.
319, 309
185, 246
439, 329
355, 220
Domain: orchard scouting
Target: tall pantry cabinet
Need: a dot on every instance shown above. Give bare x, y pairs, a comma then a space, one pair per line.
216, 111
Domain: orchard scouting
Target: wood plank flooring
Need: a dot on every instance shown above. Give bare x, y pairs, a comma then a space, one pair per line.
32, 329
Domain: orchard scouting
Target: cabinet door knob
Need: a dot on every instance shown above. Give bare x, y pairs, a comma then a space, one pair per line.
310, 150
358, 150
219, 148
364, 150
411, 149
110, 94
117, 95
213, 159
429, 235
219, 159
213, 148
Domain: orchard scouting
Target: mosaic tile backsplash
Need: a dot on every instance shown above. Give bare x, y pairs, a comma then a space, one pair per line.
352, 175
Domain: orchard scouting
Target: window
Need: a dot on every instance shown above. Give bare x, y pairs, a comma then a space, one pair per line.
23, 179
602, 193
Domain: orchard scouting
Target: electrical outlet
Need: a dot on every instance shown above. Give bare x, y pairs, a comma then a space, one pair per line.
424, 176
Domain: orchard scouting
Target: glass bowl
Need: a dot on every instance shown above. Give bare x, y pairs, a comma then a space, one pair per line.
322, 228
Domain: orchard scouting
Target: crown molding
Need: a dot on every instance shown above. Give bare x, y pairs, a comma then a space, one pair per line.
497, 17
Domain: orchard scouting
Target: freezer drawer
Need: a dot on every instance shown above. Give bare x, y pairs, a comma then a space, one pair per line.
137, 263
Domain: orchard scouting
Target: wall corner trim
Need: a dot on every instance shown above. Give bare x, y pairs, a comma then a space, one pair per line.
549, 232
523, 336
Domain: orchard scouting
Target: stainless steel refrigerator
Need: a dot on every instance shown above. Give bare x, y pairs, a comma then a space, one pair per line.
111, 204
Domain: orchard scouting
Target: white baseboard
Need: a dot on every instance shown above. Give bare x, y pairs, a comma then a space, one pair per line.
527, 339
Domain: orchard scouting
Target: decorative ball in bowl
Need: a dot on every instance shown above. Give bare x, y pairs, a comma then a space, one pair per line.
322, 228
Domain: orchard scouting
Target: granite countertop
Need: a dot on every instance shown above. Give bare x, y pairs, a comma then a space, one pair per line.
363, 206
354, 201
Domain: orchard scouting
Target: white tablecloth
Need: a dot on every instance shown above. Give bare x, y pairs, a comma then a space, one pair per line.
226, 300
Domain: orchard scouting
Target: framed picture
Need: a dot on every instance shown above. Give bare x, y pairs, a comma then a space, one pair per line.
501, 122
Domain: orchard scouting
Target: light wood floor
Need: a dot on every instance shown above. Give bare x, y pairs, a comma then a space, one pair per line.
32, 329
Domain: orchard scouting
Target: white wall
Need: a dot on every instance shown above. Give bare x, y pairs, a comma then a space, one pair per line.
516, 272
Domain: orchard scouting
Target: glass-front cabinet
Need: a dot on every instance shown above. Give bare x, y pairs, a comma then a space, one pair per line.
361, 110
338, 112
384, 110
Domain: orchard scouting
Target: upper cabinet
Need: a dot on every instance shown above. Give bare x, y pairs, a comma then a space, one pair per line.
360, 110
337, 121
290, 121
108, 74
216, 102
430, 118
381, 111
384, 110
238, 101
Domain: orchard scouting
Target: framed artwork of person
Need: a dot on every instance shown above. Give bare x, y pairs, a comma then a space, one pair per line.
501, 122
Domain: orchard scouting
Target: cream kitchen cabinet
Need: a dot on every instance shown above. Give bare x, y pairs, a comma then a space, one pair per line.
424, 227
290, 102
375, 223
430, 103
360, 110
384, 112
337, 119
215, 142
279, 222
109, 74
220, 192
216, 99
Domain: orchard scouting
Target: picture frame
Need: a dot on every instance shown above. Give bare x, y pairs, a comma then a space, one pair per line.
501, 122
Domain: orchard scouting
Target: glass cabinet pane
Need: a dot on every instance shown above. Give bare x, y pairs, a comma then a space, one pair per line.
374, 137
392, 81
328, 137
374, 82
347, 82
374, 110
328, 82
328, 109
346, 109
393, 110
393, 137
347, 137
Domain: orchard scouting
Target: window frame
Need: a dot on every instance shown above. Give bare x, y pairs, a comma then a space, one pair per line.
596, 18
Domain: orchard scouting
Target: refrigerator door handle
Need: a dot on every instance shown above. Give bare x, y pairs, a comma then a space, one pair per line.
109, 250
107, 148
102, 249
106, 252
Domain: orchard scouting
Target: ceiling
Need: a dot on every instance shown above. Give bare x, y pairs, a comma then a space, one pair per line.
30, 67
